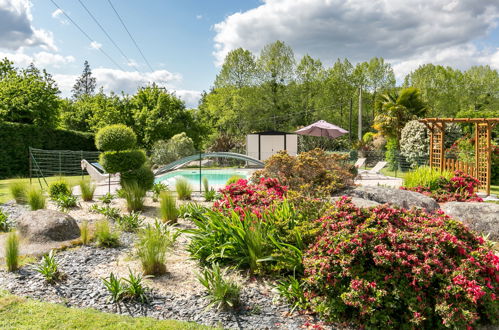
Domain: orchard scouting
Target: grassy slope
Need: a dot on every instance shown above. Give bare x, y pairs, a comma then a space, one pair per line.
20, 313
4, 184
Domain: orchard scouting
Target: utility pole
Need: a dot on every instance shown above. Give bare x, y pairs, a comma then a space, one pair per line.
360, 114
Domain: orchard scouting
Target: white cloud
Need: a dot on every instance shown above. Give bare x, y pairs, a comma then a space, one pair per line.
41, 59
199, 16
16, 29
95, 45
405, 34
58, 14
191, 98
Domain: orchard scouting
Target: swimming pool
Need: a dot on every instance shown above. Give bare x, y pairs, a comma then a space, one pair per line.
216, 177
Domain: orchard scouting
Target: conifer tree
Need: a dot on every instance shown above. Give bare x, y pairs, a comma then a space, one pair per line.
85, 84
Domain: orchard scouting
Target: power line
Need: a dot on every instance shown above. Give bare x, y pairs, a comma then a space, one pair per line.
105, 32
86, 35
130, 35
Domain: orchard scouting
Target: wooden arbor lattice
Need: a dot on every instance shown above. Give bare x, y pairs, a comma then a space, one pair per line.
482, 167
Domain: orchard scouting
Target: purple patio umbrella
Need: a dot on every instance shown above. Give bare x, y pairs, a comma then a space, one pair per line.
322, 128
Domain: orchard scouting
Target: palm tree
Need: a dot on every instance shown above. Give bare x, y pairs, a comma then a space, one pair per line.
396, 108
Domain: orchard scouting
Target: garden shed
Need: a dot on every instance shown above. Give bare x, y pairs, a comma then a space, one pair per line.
263, 145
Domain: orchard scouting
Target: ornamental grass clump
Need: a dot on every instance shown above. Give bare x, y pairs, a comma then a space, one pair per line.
384, 267
85, 235
426, 176
36, 199
105, 236
87, 190
183, 188
168, 210
134, 195
19, 191
12, 252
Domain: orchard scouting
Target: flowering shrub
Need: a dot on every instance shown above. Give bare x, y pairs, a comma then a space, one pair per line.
394, 268
244, 196
461, 188
313, 172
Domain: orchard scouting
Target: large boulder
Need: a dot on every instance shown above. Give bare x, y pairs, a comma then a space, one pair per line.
397, 197
481, 217
359, 202
47, 225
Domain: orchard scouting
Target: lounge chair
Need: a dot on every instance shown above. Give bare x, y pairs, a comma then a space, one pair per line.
97, 173
375, 171
360, 162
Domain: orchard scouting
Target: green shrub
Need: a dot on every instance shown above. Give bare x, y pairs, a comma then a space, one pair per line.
87, 190
107, 198
184, 189
165, 152
65, 202
143, 176
233, 179
134, 196
4, 222
191, 211
157, 189
291, 289
153, 243
222, 292
130, 222
425, 176
115, 288
168, 210
85, 233
111, 213
12, 252
19, 191
105, 236
392, 154
122, 161
49, 268
57, 188
36, 199
115, 138
210, 195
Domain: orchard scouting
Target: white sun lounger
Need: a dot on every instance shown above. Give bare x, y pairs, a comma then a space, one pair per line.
96, 175
375, 171
360, 162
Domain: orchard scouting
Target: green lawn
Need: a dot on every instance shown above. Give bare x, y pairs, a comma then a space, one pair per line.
21, 313
4, 184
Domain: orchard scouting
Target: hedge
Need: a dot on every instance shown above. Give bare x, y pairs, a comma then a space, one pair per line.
15, 140
122, 161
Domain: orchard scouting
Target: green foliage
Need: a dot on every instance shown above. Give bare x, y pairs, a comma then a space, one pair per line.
12, 252
85, 233
36, 199
111, 213
392, 154
4, 223
87, 190
291, 289
210, 195
19, 191
134, 195
168, 210
105, 236
107, 198
425, 176
206, 184
85, 84
191, 210
157, 189
19, 137
49, 268
57, 188
115, 288
414, 142
65, 202
222, 292
122, 161
130, 222
115, 138
153, 243
183, 188
130, 288
233, 179
143, 176
165, 152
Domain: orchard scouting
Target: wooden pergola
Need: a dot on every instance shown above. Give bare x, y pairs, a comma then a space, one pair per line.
483, 130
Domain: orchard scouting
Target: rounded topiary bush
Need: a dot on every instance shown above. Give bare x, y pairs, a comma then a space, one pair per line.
143, 176
394, 268
122, 161
115, 138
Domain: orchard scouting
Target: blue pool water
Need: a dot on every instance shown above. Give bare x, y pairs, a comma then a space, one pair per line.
216, 178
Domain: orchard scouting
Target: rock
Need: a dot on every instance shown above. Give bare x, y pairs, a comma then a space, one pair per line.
397, 197
359, 202
481, 217
47, 225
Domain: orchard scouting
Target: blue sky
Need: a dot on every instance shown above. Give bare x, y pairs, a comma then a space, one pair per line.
185, 41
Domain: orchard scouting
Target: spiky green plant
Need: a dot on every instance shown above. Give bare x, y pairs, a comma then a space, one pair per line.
183, 188
222, 292
12, 252
130, 222
206, 184
168, 210
49, 268
87, 190
105, 236
134, 195
85, 233
157, 189
57, 188
36, 199
19, 191
425, 176
4, 222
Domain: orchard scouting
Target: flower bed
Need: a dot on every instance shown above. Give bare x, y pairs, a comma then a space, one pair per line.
460, 188
390, 268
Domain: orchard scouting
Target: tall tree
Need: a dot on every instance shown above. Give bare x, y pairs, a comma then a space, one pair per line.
238, 70
85, 84
309, 77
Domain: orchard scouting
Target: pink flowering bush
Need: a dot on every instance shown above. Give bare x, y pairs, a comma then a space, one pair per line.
244, 196
461, 188
384, 267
